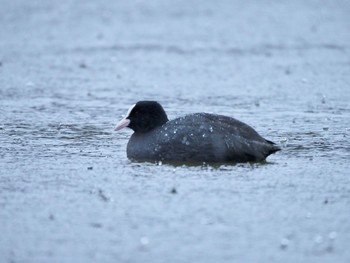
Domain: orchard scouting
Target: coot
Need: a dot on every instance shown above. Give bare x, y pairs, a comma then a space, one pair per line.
199, 137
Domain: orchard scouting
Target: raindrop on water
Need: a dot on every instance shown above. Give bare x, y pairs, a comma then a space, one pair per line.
144, 241
318, 239
30, 84
332, 235
284, 141
284, 243
308, 215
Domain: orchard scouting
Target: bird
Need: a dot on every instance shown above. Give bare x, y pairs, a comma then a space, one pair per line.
193, 138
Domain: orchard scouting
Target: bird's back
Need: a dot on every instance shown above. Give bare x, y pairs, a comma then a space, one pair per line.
201, 137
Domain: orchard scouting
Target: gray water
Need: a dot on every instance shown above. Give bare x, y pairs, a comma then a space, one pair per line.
69, 70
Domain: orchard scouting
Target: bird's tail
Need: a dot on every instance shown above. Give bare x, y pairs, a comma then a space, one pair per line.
274, 148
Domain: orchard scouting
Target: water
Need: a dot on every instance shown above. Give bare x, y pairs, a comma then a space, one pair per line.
69, 71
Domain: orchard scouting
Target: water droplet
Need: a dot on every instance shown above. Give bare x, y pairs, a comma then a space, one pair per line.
284, 141
187, 143
211, 129
332, 235
318, 239
30, 84
160, 163
157, 148
144, 241
175, 131
204, 135
284, 243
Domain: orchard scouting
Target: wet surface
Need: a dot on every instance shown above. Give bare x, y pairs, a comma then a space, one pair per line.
69, 71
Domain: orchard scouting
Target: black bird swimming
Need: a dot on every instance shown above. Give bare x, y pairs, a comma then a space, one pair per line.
199, 137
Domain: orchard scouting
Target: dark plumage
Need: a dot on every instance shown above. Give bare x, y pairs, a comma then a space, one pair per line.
199, 137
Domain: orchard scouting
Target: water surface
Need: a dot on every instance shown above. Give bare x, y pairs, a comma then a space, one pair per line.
69, 71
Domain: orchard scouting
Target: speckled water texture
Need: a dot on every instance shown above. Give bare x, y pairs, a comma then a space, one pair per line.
70, 69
